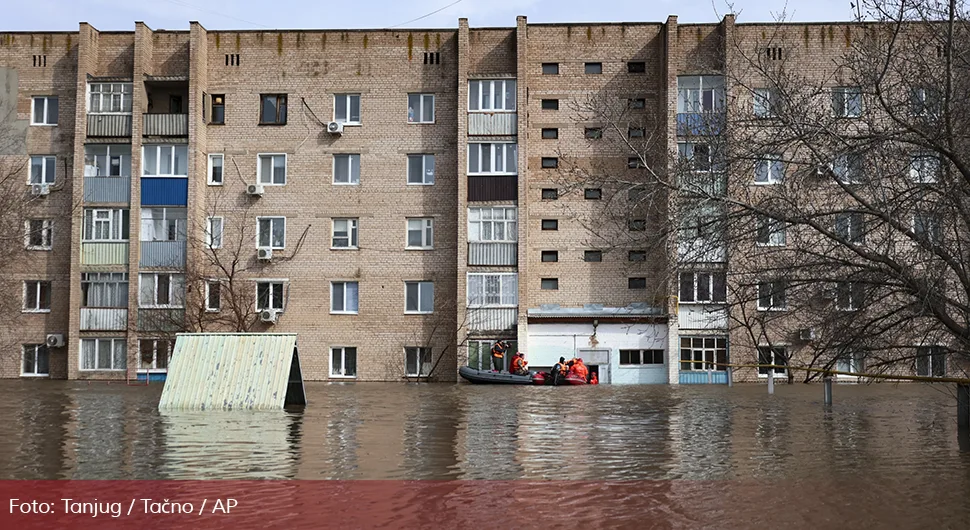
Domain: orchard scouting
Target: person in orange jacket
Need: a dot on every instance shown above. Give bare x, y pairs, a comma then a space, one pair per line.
593, 380
580, 370
519, 365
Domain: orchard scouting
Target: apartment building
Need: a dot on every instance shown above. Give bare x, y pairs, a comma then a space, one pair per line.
401, 199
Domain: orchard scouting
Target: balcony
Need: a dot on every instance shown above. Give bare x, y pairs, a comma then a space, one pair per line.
161, 320
700, 251
164, 191
701, 316
492, 123
107, 190
492, 318
166, 125
104, 319
700, 123
498, 253
493, 188
167, 254
109, 125
104, 253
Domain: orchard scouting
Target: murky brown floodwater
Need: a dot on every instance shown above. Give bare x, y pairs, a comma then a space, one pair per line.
879, 446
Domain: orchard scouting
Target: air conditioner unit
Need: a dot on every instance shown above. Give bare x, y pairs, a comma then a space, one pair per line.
335, 127
256, 190
55, 340
806, 334
269, 315
40, 189
264, 253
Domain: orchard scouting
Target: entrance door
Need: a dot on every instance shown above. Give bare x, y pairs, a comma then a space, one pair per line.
599, 357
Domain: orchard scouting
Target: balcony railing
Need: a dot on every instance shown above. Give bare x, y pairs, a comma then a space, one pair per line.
700, 251
492, 253
166, 125
492, 124
492, 318
109, 125
169, 254
104, 319
700, 123
104, 253
700, 316
167, 320
107, 190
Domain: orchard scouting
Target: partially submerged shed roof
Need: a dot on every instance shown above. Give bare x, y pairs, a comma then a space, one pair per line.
233, 371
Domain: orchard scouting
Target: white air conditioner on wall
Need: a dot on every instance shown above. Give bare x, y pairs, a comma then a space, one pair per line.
256, 190
335, 127
40, 189
55, 340
264, 253
269, 315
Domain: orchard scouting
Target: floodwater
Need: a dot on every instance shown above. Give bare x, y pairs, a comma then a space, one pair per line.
882, 456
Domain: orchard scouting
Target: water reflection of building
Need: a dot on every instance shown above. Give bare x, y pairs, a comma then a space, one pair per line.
701, 430
35, 433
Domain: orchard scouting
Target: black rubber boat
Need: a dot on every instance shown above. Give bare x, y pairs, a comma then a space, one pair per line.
488, 377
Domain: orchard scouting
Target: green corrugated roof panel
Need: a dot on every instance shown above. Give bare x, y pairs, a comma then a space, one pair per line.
254, 371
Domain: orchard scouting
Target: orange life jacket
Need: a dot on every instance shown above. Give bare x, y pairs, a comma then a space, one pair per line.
498, 351
593, 380
518, 363
580, 370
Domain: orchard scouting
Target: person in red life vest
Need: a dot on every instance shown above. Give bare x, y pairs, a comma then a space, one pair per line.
579, 369
519, 365
593, 380
498, 355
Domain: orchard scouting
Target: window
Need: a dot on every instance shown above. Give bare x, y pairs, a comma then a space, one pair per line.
549, 284
769, 169
165, 161
925, 101
37, 234
924, 168
931, 361
550, 134
550, 162
213, 232
346, 108
700, 94
926, 226
215, 169
343, 361
594, 68
850, 227
104, 354
550, 224
36, 360
847, 102
109, 98
269, 295
272, 109
420, 233
154, 355
703, 353
593, 194
636, 67
703, 287
271, 232
550, 104
218, 109
493, 159
418, 297
850, 296
635, 132
43, 110
271, 170
107, 161
104, 289
771, 232
493, 290
344, 233
42, 169
213, 296
634, 162
417, 361
163, 224
774, 355
420, 108
634, 357
637, 103
771, 295
636, 283
550, 68
491, 95
343, 297
549, 256
637, 255
161, 289
492, 224
700, 157
593, 256
638, 225
346, 169
850, 362
421, 169
766, 102
37, 296
550, 194
479, 353
593, 133
848, 168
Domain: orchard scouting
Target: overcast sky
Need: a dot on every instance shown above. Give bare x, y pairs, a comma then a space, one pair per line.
51, 15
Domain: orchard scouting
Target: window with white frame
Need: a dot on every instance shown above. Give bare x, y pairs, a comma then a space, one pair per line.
420, 169
163, 224
924, 168
847, 102
109, 98
853, 363
343, 361
161, 289
43, 110
344, 233
772, 295
38, 234
498, 223
213, 232
641, 357
850, 296
105, 225
417, 361
35, 360
493, 290
344, 297
851, 227
154, 355
493, 159
700, 93
704, 223
271, 232
420, 108
774, 355
43, 169
216, 161
925, 101
705, 169
769, 169
346, 108
271, 170
926, 226
213, 296
269, 295
165, 161
479, 353
771, 232
703, 287
37, 296
931, 361
491, 95
346, 169
766, 102
420, 232
104, 354
104, 289
849, 168
113, 160
418, 297
703, 353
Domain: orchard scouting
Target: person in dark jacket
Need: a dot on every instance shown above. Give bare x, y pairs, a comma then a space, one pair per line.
498, 355
559, 371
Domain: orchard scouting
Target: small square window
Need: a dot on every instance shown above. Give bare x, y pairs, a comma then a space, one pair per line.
549, 162
420, 108
271, 170
593, 194
550, 194
635, 132
550, 224
637, 255
272, 110
550, 256
550, 104
44, 111
550, 134
638, 225
594, 133
637, 103
636, 67
593, 256
550, 68
637, 283
549, 284
346, 109
594, 68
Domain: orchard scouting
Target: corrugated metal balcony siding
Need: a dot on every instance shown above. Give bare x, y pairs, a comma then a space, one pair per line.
161, 319
164, 191
700, 123
493, 188
701, 377
107, 190
492, 124
492, 318
104, 253
695, 316
169, 254
109, 125
104, 319
492, 253
700, 251
166, 125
